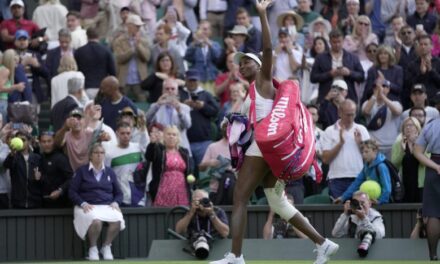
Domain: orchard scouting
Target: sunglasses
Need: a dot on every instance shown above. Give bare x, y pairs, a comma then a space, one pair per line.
363, 24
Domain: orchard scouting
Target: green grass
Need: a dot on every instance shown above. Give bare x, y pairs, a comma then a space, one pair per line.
251, 262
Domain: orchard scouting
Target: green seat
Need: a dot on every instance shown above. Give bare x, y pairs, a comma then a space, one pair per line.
325, 191
142, 106
317, 199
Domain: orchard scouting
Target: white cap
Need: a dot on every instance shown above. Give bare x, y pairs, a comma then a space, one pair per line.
352, 1
135, 20
16, 2
340, 84
239, 55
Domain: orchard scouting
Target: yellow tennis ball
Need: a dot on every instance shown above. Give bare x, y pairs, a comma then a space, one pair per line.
190, 178
16, 143
372, 188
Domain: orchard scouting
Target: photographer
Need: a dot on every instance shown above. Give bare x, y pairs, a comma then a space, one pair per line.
203, 220
360, 221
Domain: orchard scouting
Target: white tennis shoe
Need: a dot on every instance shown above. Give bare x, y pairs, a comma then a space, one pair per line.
229, 258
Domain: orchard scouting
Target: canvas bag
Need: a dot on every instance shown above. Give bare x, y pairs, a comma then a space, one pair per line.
286, 137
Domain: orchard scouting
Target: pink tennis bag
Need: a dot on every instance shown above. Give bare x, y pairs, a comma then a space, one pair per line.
286, 136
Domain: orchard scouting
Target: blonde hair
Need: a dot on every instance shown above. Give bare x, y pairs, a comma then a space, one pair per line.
389, 51
361, 18
67, 63
415, 122
175, 130
9, 61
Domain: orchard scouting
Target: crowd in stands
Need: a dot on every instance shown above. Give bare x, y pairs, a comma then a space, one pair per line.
152, 81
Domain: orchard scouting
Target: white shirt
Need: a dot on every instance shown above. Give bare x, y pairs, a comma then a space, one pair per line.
348, 162
79, 38
282, 66
59, 85
52, 17
211, 5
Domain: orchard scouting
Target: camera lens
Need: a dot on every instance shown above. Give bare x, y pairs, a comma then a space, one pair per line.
205, 202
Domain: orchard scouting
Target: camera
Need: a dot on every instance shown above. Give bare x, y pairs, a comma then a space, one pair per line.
201, 244
194, 97
367, 240
355, 205
17, 126
205, 202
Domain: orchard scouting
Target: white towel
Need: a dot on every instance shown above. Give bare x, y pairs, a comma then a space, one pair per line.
105, 213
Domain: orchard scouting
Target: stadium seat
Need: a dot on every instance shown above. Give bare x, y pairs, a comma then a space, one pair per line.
317, 199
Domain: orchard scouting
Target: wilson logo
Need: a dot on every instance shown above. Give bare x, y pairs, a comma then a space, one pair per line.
278, 112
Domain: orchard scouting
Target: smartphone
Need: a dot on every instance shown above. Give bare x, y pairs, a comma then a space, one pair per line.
419, 27
194, 97
17, 126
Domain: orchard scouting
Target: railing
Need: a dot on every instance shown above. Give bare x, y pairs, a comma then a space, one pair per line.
48, 234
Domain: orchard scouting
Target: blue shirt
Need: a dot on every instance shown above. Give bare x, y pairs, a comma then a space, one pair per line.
133, 72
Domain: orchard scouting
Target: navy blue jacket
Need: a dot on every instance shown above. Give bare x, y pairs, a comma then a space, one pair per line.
321, 73
96, 62
394, 74
200, 129
110, 112
60, 111
85, 188
53, 58
428, 21
430, 79
26, 95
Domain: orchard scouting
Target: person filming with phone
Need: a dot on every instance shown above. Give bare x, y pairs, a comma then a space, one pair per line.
360, 221
203, 223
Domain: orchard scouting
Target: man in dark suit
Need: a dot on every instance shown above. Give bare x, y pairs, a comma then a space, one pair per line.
336, 64
95, 61
61, 110
406, 54
54, 55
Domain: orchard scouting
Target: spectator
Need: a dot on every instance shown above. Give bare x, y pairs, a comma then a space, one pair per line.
419, 113
10, 26
32, 63
278, 228
156, 133
413, 174
163, 37
385, 63
383, 116
5, 180
203, 219
214, 12
233, 105
253, 40
419, 230
168, 111
234, 42
293, 22
61, 110
50, 14
375, 170
328, 109
311, 186
24, 168
231, 12
435, 38
336, 64
334, 11
309, 91
340, 149
164, 68
204, 108
287, 57
146, 9
170, 165
422, 19
139, 133
179, 33
79, 35
113, 101
95, 62
89, 11
185, 12
361, 36
96, 194
392, 38
7, 72
405, 55
121, 29
132, 53
360, 221
123, 158
224, 81
318, 28
203, 54
59, 84
56, 173
428, 141
425, 69
54, 56
93, 120
419, 99
308, 15
347, 24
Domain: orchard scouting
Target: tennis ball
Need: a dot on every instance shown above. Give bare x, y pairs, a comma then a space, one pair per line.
16, 144
372, 188
190, 178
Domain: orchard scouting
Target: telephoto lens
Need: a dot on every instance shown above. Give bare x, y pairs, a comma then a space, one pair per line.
365, 245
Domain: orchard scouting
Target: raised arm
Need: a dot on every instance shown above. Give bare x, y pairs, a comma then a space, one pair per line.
266, 67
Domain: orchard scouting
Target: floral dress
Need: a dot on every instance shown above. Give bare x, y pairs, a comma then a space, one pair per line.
172, 189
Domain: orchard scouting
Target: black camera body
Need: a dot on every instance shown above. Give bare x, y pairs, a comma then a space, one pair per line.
355, 205
205, 202
194, 97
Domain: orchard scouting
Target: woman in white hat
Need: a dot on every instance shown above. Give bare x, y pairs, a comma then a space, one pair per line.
254, 169
294, 22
